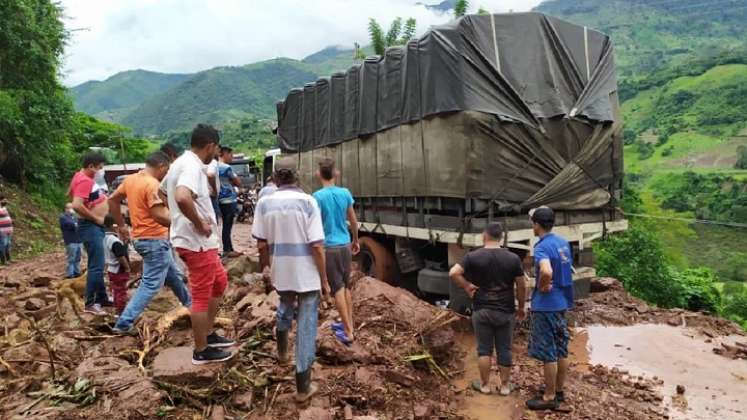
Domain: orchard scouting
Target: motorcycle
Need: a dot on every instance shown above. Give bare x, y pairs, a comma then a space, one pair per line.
246, 203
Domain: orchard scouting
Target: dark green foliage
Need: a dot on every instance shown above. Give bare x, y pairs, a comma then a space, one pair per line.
629, 136
631, 201
378, 40
741, 158
397, 35
735, 308
635, 257
645, 150
460, 8
247, 135
392, 36
710, 196
699, 292
668, 151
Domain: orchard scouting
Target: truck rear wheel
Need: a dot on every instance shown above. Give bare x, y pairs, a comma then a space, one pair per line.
376, 260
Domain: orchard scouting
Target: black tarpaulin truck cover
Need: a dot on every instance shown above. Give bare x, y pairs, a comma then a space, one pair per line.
519, 109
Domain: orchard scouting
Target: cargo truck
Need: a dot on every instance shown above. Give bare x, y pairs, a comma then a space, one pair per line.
478, 120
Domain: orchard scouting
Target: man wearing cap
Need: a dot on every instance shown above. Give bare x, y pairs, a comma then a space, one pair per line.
288, 226
552, 297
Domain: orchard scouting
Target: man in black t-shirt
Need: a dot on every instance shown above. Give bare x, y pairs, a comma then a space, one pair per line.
488, 275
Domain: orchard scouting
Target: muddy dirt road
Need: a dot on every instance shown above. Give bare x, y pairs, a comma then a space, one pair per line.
412, 360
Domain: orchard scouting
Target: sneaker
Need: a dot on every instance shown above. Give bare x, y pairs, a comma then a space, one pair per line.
210, 355
215, 341
95, 309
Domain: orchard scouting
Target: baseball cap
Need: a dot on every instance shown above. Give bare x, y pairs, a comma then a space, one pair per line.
542, 214
285, 164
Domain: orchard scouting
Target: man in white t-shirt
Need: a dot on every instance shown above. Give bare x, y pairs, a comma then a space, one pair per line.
288, 225
194, 235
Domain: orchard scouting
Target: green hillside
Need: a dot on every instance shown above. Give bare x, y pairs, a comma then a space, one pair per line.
220, 95
115, 95
649, 34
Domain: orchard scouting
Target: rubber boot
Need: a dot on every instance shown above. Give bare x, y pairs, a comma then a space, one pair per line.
282, 337
305, 389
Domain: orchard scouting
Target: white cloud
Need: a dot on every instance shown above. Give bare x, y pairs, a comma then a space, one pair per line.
184, 36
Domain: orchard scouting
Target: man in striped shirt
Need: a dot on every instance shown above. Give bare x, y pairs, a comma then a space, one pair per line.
288, 226
6, 231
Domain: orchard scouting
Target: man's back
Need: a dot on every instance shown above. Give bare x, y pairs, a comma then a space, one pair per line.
334, 202
141, 190
189, 172
290, 221
557, 250
493, 271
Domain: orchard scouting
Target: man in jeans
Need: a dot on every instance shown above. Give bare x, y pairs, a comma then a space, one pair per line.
227, 198
69, 228
488, 276
288, 225
150, 234
340, 244
194, 235
552, 297
89, 202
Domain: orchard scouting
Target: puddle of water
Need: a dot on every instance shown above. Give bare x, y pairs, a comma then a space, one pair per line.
479, 406
716, 387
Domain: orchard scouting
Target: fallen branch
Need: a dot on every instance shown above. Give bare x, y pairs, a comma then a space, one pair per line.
44, 341
9, 367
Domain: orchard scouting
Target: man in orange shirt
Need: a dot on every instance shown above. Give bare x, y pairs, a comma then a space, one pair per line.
150, 233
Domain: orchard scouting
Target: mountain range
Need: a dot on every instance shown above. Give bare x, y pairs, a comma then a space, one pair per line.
649, 35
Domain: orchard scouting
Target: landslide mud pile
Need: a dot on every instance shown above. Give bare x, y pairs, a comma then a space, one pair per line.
59, 365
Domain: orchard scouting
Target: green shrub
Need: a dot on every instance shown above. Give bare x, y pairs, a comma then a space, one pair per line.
699, 292
635, 257
735, 308
645, 150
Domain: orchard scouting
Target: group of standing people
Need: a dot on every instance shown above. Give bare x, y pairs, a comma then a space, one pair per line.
309, 242
488, 275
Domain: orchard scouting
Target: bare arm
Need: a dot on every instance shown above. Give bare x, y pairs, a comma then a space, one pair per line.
123, 262
353, 220
211, 184
160, 213
457, 276
317, 250
521, 296
545, 276
185, 200
83, 211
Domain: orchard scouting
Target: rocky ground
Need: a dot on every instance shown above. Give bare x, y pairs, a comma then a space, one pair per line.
411, 360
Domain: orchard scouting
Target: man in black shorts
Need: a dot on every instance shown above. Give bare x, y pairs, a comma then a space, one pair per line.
488, 276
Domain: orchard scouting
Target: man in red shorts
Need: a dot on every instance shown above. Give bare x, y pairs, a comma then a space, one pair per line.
194, 235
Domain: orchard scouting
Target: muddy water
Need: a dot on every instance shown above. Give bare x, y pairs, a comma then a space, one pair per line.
715, 387
479, 406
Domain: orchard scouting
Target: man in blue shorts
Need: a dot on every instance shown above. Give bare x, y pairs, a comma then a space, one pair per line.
552, 297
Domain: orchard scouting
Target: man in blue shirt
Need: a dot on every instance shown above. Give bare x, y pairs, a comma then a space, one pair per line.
340, 243
227, 198
552, 297
73, 245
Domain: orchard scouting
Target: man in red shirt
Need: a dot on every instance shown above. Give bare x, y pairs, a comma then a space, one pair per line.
89, 202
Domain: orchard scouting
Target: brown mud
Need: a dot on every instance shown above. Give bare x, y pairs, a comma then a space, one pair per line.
411, 360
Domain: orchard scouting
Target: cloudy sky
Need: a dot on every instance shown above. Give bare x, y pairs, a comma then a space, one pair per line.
184, 36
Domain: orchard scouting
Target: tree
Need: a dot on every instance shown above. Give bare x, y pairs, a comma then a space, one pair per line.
482, 11
378, 41
460, 8
397, 34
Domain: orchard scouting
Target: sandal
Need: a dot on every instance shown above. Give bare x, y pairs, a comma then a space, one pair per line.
477, 386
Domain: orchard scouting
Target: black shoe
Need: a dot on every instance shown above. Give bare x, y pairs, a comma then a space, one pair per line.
559, 396
540, 404
305, 389
215, 341
210, 355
